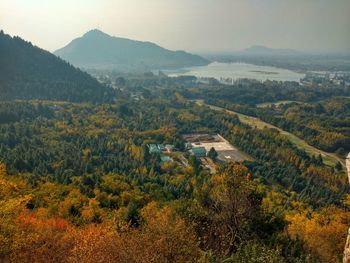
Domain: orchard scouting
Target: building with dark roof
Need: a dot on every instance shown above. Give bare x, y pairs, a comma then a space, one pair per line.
199, 151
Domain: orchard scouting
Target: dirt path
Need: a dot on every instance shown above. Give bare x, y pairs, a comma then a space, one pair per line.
328, 158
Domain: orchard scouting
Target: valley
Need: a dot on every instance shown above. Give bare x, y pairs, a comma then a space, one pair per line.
174, 132
329, 158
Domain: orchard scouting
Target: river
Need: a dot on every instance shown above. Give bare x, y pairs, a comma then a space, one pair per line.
227, 72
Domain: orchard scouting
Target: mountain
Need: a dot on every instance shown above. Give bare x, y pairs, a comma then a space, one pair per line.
266, 51
28, 72
99, 50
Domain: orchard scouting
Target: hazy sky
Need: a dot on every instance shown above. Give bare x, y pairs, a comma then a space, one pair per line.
193, 25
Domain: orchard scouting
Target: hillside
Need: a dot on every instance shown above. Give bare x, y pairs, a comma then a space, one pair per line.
79, 182
98, 50
28, 72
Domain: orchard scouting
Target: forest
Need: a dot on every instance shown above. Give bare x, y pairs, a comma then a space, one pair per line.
78, 183
174, 131
28, 72
324, 124
318, 115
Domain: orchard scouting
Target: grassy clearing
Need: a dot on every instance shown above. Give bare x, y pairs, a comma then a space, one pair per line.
277, 103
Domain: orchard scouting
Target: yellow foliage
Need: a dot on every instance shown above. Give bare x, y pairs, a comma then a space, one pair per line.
347, 201
12, 203
92, 212
72, 205
324, 233
3, 171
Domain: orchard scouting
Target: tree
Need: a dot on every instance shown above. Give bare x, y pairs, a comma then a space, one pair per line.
195, 164
255, 252
230, 206
319, 159
212, 154
163, 237
2, 169
339, 166
323, 232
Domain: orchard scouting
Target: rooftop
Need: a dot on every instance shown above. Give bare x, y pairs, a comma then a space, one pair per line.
199, 151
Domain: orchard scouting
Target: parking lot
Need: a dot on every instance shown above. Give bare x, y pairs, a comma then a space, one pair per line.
226, 151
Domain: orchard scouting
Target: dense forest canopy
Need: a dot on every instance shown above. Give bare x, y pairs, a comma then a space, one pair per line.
28, 72
319, 115
81, 173
79, 182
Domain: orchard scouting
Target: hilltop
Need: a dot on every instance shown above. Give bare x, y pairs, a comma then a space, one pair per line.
29, 72
98, 50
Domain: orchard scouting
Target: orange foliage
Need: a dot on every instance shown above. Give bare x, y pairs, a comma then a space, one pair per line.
2, 169
39, 239
162, 238
30, 220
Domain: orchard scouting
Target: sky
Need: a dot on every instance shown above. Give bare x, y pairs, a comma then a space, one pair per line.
193, 25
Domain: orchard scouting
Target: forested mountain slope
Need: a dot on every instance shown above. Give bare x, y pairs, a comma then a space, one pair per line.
28, 72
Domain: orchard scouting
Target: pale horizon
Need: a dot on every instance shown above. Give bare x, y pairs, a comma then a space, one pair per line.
195, 26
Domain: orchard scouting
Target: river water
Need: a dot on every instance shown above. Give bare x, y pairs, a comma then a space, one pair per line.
234, 71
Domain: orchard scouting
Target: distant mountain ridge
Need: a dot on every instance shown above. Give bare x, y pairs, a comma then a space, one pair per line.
98, 50
267, 51
28, 72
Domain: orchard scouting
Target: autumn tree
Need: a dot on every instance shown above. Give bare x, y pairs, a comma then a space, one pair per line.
323, 233
163, 237
230, 206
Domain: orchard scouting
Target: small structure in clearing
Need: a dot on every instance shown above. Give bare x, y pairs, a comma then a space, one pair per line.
153, 148
199, 151
159, 148
200, 144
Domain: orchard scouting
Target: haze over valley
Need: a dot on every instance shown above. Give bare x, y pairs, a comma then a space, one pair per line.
175, 131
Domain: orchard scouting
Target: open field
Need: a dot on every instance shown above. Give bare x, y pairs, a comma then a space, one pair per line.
226, 152
328, 158
277, 103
